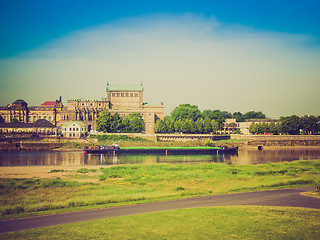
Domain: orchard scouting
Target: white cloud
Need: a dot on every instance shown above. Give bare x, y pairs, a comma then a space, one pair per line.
179, 59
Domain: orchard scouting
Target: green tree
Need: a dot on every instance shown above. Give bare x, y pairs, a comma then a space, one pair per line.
253, 128
116, 123
216, 126
160, 126
104, 121
199, 124
133, 123
291, 125
185, 111
207, 125
169, 121
310, 124
254, 115
238, 116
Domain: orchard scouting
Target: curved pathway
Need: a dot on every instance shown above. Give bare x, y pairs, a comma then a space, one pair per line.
285, 197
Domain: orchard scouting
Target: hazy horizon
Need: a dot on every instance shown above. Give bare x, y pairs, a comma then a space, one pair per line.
201, 54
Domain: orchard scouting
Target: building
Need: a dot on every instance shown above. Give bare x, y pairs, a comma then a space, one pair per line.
41, 126
123, 99
231, 125
75, 129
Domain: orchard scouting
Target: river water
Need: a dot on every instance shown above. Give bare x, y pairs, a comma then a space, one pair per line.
79, 159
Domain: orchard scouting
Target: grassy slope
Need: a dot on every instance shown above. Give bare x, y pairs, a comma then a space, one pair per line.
129, 184
241, 222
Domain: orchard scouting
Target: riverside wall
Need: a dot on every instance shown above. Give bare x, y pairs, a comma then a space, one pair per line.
275, 141
28, 146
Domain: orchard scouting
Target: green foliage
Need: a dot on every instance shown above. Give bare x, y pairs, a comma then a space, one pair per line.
262, 128
1, 119
254, 115
291, 125
132, 123
310, 124
117, 138
186, 111
86, 170
160, 126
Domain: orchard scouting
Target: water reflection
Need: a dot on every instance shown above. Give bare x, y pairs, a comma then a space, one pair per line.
78, 158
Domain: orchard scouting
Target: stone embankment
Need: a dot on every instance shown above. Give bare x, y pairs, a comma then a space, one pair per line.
29, 146
263, 141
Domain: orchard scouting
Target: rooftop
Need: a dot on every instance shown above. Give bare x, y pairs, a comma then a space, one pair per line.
48, 104
124, 87
41, 123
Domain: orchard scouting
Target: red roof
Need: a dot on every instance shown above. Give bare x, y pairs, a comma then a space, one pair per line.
48, 104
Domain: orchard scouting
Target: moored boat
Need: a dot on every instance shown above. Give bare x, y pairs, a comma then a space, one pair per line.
116, 150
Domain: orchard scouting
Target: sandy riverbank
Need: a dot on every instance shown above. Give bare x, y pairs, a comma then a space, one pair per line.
44, 171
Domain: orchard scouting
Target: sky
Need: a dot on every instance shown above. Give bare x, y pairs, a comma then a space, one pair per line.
229, 55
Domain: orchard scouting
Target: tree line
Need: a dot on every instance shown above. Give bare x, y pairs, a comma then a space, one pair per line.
187, 118
114, 123
292, 125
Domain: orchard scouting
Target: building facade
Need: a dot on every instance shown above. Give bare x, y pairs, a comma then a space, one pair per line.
121, 99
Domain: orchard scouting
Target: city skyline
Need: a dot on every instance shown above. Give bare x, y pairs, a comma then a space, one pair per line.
235, 57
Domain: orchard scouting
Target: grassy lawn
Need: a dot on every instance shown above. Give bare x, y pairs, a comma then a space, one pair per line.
234, 222
131, 184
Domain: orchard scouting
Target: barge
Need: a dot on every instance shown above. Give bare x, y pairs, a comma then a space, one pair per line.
116, 150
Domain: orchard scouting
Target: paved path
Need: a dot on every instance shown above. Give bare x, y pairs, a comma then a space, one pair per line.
286, 197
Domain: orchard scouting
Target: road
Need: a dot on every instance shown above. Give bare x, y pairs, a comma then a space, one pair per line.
285, 197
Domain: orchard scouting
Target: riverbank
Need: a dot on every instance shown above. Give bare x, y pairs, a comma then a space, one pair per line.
69, 189
54, 171
241, 141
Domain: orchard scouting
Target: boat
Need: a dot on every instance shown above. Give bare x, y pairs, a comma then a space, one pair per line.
116, 150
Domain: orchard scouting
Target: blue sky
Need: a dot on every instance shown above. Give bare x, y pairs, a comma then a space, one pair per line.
227, 55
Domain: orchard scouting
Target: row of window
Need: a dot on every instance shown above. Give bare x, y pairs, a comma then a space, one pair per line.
124, 94
35, 118
73, 129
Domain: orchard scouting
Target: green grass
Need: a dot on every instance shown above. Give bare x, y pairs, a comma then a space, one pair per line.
235, 222
130, 184
116, 138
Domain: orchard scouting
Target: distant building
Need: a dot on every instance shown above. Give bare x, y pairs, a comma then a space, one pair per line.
41, 126
231, 125
123, 99
75, 129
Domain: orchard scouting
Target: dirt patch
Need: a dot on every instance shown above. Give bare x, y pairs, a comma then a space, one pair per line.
69, 172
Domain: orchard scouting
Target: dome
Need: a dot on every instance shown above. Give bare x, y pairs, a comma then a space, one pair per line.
20, 103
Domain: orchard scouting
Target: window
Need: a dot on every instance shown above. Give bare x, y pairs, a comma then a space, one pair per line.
127, 94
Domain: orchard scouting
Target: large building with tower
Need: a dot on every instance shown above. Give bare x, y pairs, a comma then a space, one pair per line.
121, 99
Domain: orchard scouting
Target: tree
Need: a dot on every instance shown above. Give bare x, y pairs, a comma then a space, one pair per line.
169, 124
104, 121
185, 111
1, 119
133, 123
116, 123
200, 126
160, 126
207, 125
238, 116
291, 125
310, 124
216, 126
254, 115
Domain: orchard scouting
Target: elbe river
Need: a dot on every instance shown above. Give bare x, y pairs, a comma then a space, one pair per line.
8, 159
